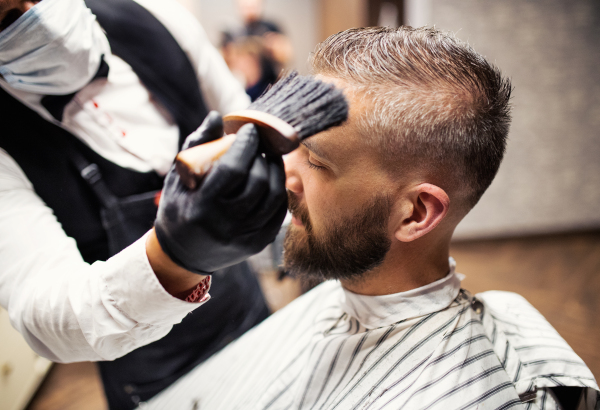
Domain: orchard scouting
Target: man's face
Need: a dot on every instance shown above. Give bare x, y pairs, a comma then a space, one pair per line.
340, 199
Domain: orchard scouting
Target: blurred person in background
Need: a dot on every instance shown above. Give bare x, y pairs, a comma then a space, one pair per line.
95, 104
257, 51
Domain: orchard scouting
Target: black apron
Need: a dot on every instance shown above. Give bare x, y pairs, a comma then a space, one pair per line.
105, 207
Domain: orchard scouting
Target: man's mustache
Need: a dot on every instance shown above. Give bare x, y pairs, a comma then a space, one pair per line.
298, 210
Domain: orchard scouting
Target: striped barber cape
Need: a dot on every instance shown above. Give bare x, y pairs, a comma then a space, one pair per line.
436, 347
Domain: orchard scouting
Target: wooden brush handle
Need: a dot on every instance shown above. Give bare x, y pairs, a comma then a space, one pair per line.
277, 136
194, 163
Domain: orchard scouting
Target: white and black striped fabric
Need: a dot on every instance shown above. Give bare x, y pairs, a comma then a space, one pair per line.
434, 347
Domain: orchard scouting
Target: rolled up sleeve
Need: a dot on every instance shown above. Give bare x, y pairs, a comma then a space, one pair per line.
66, 309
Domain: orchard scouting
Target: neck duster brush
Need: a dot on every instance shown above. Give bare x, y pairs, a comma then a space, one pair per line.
295, 108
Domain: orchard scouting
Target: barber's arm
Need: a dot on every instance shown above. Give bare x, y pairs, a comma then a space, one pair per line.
68, 310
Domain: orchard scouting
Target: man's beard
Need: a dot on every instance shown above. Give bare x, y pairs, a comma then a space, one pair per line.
347, 249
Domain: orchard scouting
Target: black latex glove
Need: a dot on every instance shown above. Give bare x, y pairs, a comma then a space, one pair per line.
237, 210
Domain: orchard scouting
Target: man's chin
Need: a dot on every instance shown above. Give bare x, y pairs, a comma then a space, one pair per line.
346, 249
296, 254
300, 263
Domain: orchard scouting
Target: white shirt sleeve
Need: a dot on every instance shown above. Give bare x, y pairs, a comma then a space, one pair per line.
66, 309
220, 89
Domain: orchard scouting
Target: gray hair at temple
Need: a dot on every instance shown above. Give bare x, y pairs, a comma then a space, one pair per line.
434, 103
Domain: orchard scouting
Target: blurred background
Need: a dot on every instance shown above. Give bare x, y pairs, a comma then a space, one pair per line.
537, 229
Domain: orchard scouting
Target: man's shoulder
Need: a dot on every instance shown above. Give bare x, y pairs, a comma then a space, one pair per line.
530, 349
297, 317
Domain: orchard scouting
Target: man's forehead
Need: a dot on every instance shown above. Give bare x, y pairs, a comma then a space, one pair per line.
332, 144
318, 144
340, 141
340, 147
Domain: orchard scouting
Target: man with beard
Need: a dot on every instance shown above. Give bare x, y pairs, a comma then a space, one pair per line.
374, 204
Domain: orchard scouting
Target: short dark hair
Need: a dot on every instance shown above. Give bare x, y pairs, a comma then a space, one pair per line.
433, 101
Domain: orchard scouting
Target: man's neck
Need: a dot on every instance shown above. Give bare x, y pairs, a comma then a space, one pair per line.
406, 267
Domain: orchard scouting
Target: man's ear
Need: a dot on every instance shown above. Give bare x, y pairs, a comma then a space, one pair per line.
429, 206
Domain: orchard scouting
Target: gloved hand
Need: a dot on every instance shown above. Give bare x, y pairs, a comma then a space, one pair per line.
237, 210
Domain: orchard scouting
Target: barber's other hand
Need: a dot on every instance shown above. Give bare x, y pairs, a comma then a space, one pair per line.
235, 213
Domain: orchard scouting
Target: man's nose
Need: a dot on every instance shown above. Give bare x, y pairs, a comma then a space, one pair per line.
293, 182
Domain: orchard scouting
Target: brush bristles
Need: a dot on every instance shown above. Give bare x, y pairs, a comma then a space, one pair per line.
304, 102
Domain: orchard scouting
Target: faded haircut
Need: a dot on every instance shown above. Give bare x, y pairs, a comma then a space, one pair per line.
433, 102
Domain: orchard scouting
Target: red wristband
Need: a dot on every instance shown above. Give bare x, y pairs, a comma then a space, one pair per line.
201, 292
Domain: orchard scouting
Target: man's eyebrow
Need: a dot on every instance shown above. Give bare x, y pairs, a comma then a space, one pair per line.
312, 146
